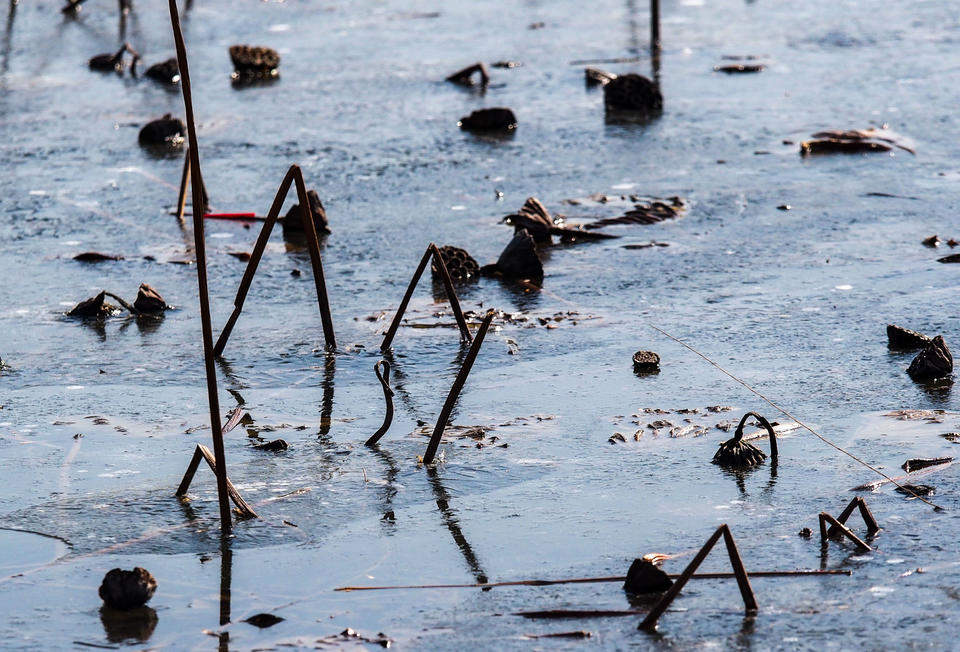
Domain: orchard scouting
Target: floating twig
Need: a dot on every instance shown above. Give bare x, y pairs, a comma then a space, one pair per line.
587, 62
456, 389
746, 592
219, 465
577, 634
294, 175
565, 614
384, 379
433, 251
594, 580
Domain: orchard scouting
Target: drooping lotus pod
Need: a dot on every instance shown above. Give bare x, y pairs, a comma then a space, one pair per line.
738, 454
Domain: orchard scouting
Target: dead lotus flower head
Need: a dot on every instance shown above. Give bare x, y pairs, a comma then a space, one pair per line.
646, 362
252, 62
127, 589
460, 265
738, 454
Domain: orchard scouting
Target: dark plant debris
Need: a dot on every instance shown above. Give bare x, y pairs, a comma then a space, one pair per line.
165, 132
853, 141
497, 119
632, 93
934, 361
921, 463
165, 72
518, 261
263, 620
125, 590
465, 77
903, 339
293, 220
95, 257
740, 68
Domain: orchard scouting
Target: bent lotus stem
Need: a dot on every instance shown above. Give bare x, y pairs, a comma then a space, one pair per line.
738, 435
868, 519
743, 581
434, 252
384, 379
294, 177
456, 388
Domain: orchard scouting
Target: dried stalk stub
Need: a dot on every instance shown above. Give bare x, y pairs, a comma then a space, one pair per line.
254, 62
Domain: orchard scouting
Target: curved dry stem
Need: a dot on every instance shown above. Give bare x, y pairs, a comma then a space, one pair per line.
384, 379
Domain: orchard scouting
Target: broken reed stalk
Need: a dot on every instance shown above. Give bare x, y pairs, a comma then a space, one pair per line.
184, 180
384, 379
593, 580
868, 519
841, 528
746, 591
182, 193
203, 453
196, 183
790, 416
294, 175
433, 251
456, 388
